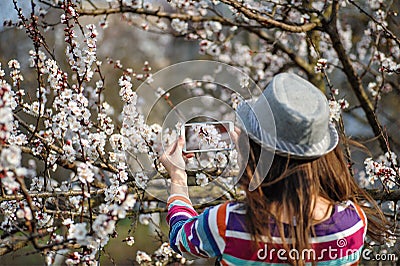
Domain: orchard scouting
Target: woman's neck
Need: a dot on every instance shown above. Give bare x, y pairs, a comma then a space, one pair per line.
322, 210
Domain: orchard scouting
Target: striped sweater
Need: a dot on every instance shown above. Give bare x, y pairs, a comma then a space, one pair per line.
220, 232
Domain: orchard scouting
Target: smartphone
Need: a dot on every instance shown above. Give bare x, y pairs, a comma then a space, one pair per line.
207, 136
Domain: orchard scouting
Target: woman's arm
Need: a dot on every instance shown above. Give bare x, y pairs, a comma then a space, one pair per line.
173, 161
191, 234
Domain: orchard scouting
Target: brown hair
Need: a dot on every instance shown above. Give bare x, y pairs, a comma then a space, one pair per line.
292, 185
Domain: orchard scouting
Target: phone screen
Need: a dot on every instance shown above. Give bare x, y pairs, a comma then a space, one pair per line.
208, 136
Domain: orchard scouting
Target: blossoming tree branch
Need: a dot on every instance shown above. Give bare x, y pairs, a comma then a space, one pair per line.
61, 118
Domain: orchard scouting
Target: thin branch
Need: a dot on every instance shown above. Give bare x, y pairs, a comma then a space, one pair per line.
164, 209
300, 62
388, 32
70, 193
381, 195
249, 13
149, 13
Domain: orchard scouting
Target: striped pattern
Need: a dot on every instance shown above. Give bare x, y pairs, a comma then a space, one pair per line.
220, 231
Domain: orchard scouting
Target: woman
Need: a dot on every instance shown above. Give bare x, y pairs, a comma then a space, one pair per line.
307, 208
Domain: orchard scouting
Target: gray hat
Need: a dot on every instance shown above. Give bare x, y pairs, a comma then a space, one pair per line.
299, 125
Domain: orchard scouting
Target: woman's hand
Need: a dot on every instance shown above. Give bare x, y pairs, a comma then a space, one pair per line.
173, 160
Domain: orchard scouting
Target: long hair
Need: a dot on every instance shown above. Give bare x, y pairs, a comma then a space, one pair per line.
291, 186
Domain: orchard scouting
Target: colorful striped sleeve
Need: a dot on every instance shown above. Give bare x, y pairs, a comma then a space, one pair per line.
192, 234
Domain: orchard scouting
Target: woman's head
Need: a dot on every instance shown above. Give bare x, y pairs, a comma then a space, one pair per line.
291, 121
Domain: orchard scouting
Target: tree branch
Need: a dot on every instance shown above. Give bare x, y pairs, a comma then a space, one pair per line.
184, 17
70, 193
152, 13
381, 195
300, 62
251, 14
354, 80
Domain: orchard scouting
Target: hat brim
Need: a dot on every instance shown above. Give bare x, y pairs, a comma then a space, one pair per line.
246, 115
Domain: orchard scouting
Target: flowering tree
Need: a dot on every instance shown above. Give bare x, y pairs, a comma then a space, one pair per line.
92, 172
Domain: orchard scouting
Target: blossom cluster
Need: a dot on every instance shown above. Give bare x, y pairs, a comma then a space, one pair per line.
335, 108
387, 64
385, 169
10, 157
322, 64
162, 256
209, 136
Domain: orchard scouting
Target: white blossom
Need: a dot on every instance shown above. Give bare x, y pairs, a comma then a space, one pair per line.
212, 27
10, 158
322, 64
142, 257
85, 172
335, 108
15, 72
391, 240
145, 219
208, 136
201, 179
384, 169
221, 159
68, 222
141, 179
77, 231
130, 240
236, 100
179, 26
244, 81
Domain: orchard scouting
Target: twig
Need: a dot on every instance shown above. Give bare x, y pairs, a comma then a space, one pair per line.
385, 29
